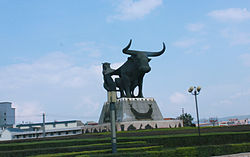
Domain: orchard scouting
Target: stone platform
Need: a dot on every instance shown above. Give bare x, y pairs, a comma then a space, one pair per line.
133, 114
133, 125
132, 109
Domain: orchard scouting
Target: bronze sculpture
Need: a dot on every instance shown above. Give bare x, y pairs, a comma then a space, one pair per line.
131, 73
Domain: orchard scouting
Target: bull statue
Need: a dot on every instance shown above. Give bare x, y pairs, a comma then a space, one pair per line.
131, 73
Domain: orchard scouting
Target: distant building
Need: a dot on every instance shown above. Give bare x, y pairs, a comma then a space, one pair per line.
169, 118
50, 125
7, 115
35, 130
91, 123
235, 121
204, 124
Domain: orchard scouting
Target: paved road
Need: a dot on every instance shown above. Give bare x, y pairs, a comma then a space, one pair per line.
236, 155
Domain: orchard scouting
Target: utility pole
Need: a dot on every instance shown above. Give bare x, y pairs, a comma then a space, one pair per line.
43, 125
112, 100
182, 111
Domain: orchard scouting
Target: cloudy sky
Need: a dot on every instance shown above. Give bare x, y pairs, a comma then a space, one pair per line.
51, 54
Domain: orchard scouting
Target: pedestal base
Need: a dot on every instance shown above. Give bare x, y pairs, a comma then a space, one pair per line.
134, 125
132, 109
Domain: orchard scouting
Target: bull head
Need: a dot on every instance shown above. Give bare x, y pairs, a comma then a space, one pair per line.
149, 54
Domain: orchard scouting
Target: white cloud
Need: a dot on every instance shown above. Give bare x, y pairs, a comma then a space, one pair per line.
55, 69
90, 48
236, 37
28, 111
178, 98
135, 9
57, 83
192, 46
185, 43
231, 14
240, 94
225, 102
195, 27
245, 58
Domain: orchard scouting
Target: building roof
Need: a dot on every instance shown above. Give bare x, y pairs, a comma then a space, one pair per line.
5, 103
55, 122
14, 130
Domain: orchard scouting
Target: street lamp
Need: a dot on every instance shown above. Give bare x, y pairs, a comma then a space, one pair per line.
112, 101
196, 91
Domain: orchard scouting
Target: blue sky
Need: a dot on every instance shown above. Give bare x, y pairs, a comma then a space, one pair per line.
51, 54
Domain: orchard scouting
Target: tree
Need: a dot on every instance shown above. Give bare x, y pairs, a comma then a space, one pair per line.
187, 119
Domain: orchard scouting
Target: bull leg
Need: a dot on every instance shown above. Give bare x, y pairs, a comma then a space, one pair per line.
122, 93
133, 92
120, 86
126, 85
140, 95
127, 91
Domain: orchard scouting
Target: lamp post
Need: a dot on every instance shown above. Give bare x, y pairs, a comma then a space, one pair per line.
196, 91
112, 100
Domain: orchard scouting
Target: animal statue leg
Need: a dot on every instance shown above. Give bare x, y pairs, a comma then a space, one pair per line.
140, 95
126, 85
127, 91
119, 85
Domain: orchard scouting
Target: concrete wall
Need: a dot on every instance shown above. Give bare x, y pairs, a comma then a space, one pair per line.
49, 133
6, 135
60, 125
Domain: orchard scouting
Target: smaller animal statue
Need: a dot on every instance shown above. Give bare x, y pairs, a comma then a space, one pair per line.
109, 83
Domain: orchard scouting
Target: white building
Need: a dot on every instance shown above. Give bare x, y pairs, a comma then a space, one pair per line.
50, 125
7, 115
35, 130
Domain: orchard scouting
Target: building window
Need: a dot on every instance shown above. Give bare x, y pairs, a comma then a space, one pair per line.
54, 125
74, 131
4, 119
66, 132
66, 124
59, 133
51, 134
5, 113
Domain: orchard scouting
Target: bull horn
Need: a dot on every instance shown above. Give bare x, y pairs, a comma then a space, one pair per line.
125, 50
149, 54
154, 54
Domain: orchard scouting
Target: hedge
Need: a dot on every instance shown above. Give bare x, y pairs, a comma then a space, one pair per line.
52, 143
194, 140
77, 145
199, 151
78, 148
137, 149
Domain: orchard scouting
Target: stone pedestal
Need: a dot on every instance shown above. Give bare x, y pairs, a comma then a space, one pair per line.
132, 109
134, 125
133, 114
